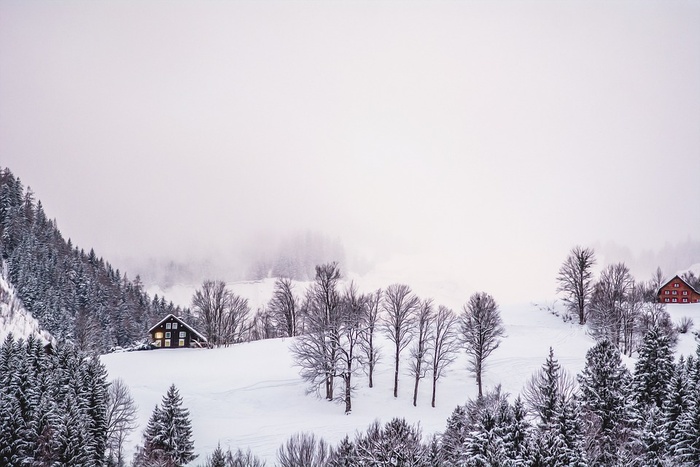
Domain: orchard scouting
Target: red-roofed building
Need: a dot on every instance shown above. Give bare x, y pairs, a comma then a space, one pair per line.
678, 291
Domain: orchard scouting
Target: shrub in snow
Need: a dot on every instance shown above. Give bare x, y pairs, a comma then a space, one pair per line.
303, 450
684, 325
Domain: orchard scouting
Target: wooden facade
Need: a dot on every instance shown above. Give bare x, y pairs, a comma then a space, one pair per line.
678, 291
172, 333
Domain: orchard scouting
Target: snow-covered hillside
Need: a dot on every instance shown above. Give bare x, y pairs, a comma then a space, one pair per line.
251, 396
13, 317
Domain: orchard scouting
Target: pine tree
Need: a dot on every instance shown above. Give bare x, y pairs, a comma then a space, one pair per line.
168, 435
653, 369
604, 384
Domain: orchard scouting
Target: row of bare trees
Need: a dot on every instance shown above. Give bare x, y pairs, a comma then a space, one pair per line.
340, 327
337, 329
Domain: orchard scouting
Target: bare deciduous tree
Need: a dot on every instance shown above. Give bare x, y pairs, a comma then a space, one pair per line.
608, 303
121, 419
420, 352
575, 280
284, 306
482, 329
445, 344
400, 305
223, 313
316, 351
369, 350
352, 324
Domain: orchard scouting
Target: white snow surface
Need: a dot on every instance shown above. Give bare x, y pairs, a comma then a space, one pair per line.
250, 395
14, 318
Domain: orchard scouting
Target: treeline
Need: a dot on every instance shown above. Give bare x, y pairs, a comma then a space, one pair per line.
614, 305
76, 296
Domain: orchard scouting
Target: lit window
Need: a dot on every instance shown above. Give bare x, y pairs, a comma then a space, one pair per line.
167, 342
167, 335
159, 335
181, 343
167, 325
182, 334
174, 325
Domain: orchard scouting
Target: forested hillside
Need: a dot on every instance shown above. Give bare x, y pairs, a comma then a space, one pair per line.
76, 296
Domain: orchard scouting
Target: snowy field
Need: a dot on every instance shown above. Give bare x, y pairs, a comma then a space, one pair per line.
251, 396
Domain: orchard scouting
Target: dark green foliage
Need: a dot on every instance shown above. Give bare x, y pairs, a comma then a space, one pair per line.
49, 406
653, 369
604, 387
168, 435
75, 296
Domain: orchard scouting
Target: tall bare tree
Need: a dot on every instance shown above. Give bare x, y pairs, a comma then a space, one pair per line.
223, 314
316, 351
609, 302
284, 306
121, 420
367, 345
482, 329
444, 343
575, 280
420, 351
352, 324
400, 305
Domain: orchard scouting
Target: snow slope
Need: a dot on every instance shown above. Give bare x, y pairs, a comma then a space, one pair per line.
13, 317
251, 396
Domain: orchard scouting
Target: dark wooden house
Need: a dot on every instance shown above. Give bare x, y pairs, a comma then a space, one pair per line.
172, 333
678, 291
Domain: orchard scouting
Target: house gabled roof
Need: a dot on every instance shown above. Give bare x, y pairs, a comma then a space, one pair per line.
680, 279
179, 320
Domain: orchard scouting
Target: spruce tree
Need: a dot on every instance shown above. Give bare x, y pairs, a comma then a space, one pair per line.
168, 435
653, 369
604, 384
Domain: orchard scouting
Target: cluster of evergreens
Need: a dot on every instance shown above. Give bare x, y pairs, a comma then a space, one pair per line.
76, 296
52, 406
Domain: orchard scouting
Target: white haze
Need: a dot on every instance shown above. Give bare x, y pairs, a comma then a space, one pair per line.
474, 141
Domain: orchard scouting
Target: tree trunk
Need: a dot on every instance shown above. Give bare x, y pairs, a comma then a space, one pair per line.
371, 372
348, 400
478, 379
434, 390
396, 374
415, 390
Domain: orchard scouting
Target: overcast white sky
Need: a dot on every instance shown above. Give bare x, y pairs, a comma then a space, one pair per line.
481, 137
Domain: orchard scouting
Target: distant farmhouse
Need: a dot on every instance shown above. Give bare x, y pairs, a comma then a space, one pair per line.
678, 291
172, 333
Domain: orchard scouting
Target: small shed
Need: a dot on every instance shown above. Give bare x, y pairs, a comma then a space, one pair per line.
172, 332
678, 291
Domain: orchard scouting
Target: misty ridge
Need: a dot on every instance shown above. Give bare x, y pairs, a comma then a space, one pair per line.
292, 255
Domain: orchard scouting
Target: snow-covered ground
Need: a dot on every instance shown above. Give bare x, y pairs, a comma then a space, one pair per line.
251, 396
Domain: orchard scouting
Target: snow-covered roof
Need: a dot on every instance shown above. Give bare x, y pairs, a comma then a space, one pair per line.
193, 330
677, 276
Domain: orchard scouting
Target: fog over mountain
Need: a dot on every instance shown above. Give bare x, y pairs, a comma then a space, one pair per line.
469, 141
